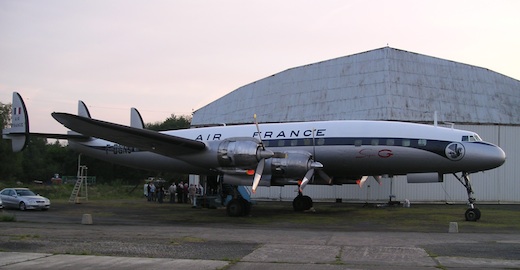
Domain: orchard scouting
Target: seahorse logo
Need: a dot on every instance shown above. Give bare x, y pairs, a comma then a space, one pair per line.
455, 151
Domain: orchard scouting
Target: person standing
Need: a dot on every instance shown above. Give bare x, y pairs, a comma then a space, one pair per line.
172, 190
193, 195
146, 189
180, 189
152, 192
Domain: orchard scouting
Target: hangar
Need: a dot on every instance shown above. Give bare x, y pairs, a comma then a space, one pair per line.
395, 85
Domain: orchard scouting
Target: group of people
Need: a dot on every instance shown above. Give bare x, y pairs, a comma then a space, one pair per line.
182, 192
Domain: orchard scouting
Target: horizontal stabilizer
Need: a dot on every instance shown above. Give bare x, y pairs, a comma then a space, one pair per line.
142, 139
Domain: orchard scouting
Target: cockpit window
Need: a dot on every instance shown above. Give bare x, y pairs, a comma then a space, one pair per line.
471, 138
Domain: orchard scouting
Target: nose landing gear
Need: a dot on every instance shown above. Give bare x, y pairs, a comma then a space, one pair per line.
473, 213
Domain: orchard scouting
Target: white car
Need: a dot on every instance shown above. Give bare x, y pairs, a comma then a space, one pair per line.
23, 199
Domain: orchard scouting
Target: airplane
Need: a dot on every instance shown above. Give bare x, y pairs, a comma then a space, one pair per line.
278, 154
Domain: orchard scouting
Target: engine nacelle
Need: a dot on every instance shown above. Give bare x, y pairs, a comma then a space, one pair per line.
239, 153
294, 165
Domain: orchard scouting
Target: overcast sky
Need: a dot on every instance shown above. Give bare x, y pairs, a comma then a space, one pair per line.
165, 57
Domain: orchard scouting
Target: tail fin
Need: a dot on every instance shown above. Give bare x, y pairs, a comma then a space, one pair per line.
136, 121
83, 110
18, 133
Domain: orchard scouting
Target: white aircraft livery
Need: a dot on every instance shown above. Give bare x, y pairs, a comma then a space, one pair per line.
296, 153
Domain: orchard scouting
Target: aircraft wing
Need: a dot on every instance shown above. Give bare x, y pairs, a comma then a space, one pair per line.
143, 139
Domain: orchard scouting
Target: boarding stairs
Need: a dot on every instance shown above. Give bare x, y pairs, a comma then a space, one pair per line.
80, 191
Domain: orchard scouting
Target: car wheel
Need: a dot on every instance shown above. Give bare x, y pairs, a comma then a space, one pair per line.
22, 206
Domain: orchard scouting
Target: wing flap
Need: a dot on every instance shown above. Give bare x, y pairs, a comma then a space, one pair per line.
143, 139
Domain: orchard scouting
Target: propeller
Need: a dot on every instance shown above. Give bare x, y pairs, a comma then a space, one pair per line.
315, 165
310, 173
364, 178
361, 181
262, 155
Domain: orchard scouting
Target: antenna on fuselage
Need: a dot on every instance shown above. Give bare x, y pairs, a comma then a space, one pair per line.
435, 118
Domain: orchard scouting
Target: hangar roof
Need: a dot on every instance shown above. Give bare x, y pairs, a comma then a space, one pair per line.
381, 84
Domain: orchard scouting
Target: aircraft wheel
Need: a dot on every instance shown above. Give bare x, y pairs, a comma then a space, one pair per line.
308, 202
472, 214
298, 204
302, 203
247, 207
235, 208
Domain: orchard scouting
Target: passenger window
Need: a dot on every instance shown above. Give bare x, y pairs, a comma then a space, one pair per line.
422, 142
358, 143
406, 142
464, 138
320, 141
307, 142
374, 142
390, 142
294, 142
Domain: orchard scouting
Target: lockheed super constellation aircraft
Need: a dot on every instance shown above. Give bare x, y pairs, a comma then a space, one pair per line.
298, 153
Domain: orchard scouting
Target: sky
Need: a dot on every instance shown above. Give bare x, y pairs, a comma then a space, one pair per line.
175, 56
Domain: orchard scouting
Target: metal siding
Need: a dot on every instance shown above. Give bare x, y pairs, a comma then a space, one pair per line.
383, 84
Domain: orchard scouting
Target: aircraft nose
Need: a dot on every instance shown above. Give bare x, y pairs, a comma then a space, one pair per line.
495, 157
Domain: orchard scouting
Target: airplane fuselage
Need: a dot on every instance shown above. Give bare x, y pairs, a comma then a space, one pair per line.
347, 149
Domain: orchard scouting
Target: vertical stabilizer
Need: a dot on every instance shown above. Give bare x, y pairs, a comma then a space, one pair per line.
18, 133
136, 121
83, 110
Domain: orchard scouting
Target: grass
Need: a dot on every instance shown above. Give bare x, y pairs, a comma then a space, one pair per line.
327, 215
95, 192
7, 217
117, 201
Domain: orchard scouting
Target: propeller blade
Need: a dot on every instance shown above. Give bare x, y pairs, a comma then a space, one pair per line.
361, 181
325, 177
258, 174
258, 130
306, 179
377, 178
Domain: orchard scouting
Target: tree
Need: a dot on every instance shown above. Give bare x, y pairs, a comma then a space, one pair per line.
171, 123
11, 162
41, 160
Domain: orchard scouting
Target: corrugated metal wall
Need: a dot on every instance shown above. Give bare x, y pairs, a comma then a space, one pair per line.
495, 186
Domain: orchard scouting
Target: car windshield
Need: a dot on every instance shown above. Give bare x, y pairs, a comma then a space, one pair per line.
25, 193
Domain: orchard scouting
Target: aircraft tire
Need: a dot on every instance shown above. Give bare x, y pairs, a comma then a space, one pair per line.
247, 207
302, 203
235, 208
308, 202
472, 214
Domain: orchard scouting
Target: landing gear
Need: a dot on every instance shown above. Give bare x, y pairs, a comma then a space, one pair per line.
302, 203
238, 207
473, 213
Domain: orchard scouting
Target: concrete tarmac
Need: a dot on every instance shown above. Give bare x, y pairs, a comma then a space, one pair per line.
256, 248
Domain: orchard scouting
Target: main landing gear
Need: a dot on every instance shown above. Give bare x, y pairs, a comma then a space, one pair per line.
473, 213
239, 205
302, 202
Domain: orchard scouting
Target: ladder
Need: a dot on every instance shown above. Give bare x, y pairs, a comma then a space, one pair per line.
81, 182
